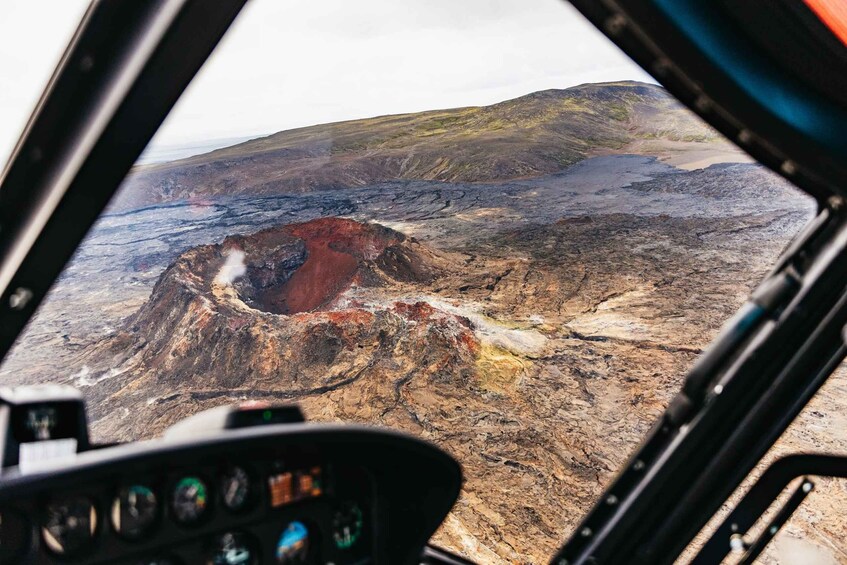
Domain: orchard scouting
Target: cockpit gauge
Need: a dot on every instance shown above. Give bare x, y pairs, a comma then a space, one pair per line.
293, 545
14, 536
69, 525
236, 488
232, 548
347, 524
190, 500
134, 511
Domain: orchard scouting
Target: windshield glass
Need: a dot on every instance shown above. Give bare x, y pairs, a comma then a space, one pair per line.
30, 48
476, 222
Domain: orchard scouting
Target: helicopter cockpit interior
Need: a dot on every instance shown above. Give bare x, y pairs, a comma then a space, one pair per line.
426, 283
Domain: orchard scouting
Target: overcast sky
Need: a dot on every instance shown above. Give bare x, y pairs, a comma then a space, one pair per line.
291, 63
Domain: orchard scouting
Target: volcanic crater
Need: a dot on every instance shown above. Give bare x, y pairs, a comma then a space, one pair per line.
306, 266
296, 309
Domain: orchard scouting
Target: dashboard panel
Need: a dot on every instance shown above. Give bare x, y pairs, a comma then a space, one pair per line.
288, 494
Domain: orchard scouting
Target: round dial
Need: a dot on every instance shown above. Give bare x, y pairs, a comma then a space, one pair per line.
69, 525
347, 525
293, 545
232, 548
235, 488
190, 500
134, 511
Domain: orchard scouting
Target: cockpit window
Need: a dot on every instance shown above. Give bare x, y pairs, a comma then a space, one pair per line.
812, 531
476, 222
31, 46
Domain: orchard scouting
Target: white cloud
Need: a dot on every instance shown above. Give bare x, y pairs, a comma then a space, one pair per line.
301, 62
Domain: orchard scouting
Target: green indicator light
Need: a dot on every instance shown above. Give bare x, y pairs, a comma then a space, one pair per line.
266, 415
347, 526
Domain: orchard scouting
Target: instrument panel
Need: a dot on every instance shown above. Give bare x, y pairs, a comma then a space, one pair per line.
241, 511
248, 497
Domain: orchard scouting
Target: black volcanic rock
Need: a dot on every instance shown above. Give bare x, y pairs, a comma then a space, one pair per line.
725, 181
268, 265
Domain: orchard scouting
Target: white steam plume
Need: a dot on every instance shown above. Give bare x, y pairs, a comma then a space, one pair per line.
232, 268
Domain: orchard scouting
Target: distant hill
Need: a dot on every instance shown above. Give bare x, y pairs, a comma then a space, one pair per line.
536, 134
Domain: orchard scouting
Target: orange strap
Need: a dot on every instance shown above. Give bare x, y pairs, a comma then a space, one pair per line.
833, 13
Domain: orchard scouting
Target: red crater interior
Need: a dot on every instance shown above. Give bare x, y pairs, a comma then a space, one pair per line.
336, 247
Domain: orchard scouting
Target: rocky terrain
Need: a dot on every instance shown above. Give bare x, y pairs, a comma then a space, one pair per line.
532, 317
537, 134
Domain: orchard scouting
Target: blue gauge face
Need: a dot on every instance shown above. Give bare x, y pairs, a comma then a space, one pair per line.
293, 544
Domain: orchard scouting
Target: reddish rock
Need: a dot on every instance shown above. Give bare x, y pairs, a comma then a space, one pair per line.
305, 267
